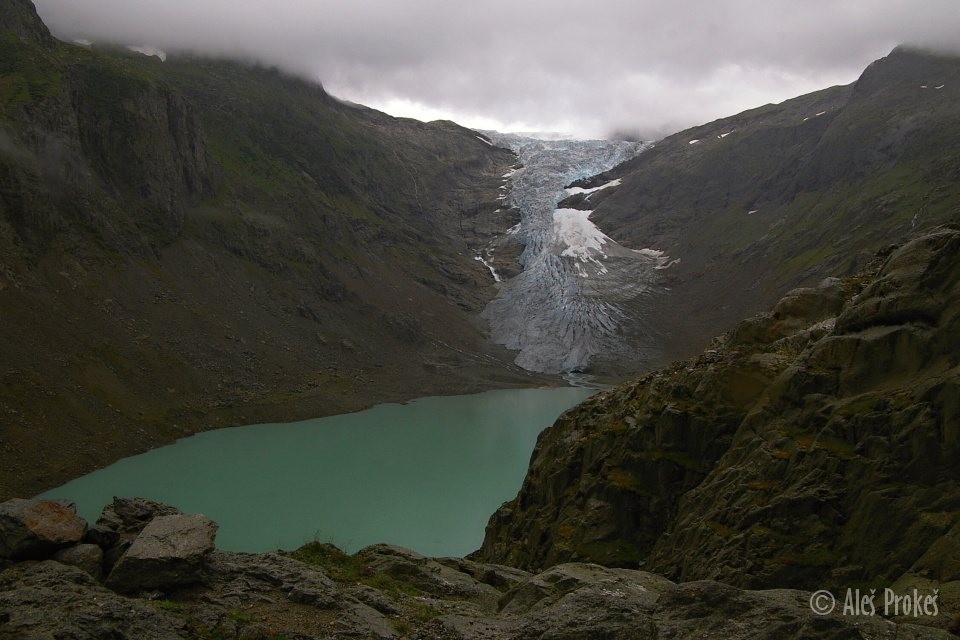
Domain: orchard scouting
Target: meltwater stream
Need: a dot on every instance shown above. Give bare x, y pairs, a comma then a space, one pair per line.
568, 305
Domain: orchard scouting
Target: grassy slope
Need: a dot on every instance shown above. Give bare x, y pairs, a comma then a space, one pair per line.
196, 243
879, 166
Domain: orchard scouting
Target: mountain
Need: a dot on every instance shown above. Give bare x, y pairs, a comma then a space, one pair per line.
195, 243
814, 446
784, 195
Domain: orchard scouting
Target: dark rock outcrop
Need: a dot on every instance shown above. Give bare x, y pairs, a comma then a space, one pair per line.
19, 17
811, 447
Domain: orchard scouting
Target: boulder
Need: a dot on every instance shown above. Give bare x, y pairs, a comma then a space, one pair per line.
499, 576
35, 529
131, 515
104, 537
88, 557
170, 552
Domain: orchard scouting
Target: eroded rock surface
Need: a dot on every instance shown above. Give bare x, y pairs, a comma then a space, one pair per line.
391, 593
34, 528
169, 552
170, 584
815, 446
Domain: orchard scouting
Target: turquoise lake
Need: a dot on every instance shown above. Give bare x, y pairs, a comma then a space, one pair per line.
425, 475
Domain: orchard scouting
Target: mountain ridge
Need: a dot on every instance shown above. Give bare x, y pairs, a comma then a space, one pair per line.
783, 195
198, 243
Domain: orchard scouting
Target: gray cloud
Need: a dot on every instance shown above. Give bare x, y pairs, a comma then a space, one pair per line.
584, 67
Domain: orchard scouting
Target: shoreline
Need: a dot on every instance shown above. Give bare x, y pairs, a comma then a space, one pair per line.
304, 406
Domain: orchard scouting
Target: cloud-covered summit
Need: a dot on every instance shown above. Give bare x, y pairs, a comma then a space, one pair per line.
588, 68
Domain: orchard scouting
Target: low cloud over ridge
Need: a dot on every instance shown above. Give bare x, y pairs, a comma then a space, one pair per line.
652, 67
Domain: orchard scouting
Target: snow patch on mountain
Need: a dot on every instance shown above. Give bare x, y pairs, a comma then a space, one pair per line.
493, 272
149, 51
575, 190
576, 236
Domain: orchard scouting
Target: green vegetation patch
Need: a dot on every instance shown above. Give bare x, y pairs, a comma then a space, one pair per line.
350, 569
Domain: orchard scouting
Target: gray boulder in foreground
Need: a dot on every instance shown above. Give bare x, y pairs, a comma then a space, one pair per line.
35, 529
169, 552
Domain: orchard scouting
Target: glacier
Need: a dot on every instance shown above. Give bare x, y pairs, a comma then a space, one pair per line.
575, 299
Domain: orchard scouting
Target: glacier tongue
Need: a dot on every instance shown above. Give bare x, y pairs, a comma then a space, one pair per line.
568, 304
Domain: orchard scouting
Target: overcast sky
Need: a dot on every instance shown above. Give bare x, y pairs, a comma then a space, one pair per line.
587, 68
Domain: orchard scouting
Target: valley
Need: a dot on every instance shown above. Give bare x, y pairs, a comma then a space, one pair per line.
193, 243
689, 384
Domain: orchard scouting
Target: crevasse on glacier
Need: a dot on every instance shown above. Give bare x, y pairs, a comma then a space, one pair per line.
569, 304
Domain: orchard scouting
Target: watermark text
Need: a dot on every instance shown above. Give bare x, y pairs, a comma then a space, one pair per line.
872, 602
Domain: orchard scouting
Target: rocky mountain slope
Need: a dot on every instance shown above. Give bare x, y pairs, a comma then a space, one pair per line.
815, 446
784, 195
147, 572
194, 243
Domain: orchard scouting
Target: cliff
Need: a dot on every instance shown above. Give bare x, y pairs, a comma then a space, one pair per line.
814, 446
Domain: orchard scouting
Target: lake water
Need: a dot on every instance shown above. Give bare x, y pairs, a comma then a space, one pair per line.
424, 475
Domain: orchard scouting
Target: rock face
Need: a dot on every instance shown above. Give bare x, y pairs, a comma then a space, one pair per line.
169, 552
20, 18
37, 528
49, 599
810, 447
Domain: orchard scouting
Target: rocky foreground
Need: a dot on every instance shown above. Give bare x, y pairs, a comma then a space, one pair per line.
146, 571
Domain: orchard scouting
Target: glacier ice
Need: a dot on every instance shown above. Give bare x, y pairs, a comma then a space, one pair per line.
568, 304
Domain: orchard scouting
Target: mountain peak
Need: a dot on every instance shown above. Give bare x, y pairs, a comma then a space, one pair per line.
20, 18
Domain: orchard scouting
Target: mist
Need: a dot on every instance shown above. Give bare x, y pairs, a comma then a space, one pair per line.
598, 69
